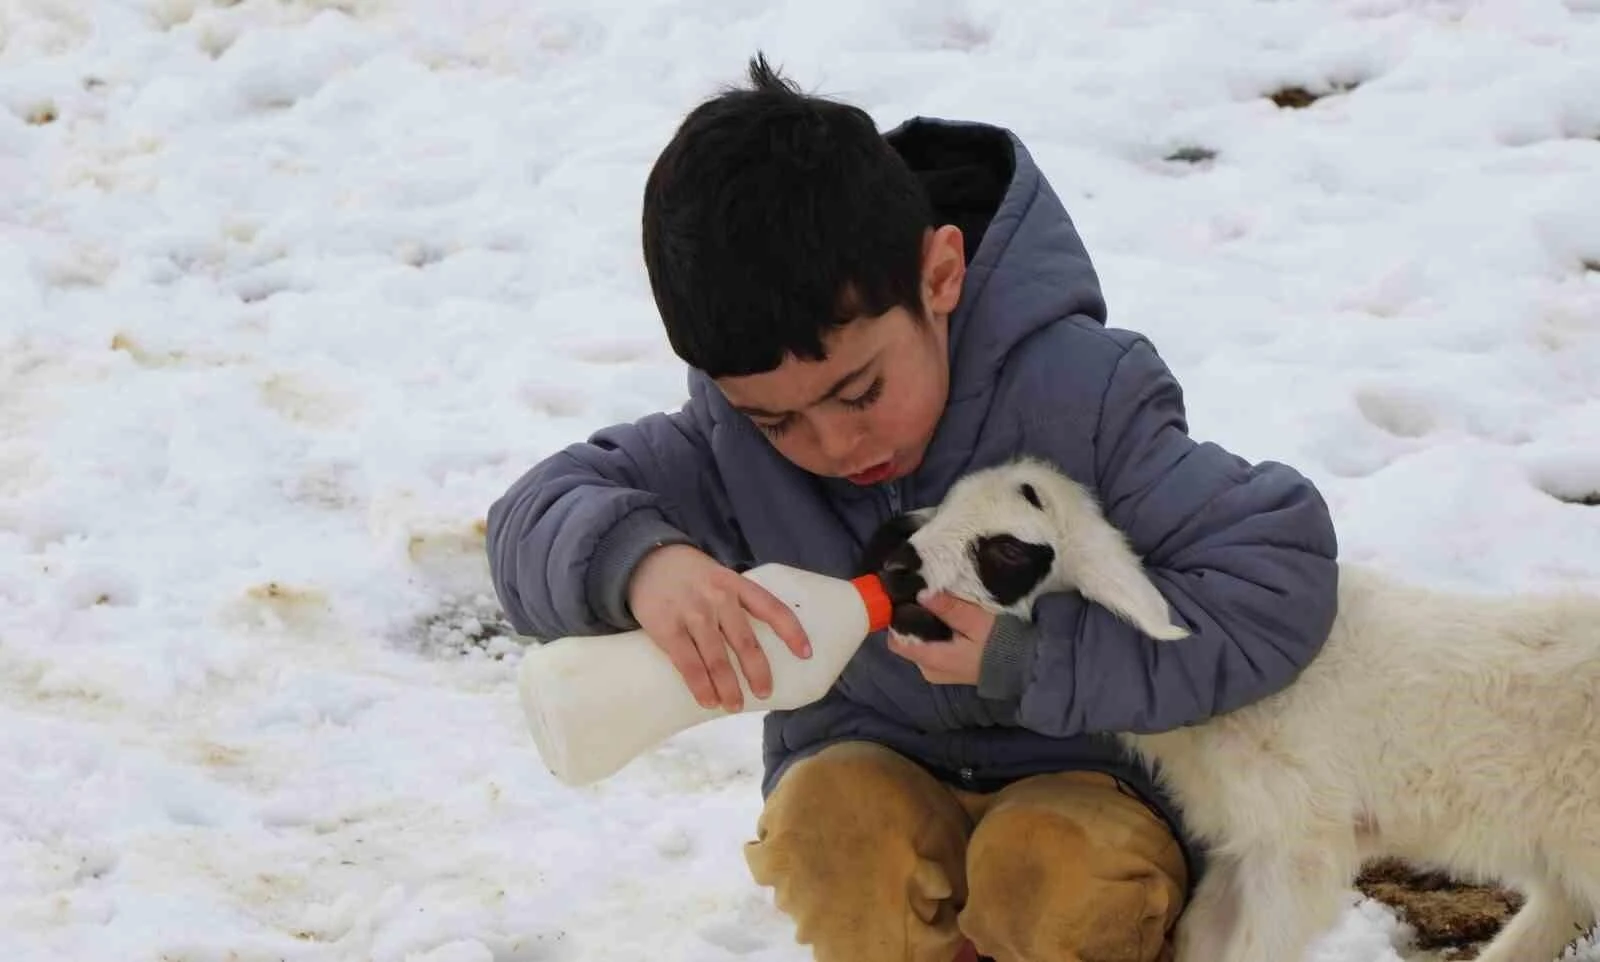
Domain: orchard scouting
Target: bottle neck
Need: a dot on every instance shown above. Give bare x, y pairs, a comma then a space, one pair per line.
879, 608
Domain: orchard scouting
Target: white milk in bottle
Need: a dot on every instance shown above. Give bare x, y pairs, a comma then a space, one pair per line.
594, 703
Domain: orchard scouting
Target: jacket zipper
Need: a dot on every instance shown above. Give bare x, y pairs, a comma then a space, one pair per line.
892, 492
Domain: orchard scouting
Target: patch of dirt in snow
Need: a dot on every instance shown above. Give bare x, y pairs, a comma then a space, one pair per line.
1446, 914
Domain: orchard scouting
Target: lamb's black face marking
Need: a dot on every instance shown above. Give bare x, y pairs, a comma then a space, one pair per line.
889, 555
1030, 495
890, 536
1010, 567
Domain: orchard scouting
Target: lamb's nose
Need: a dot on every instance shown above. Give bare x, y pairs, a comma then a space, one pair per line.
900, 575
903, 560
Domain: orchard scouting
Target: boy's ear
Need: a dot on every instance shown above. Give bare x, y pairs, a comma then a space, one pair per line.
944, 268
889, 536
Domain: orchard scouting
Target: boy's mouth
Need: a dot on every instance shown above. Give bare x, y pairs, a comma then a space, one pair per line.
874, 475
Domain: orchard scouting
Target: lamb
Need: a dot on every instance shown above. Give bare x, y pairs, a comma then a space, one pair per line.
1453, 731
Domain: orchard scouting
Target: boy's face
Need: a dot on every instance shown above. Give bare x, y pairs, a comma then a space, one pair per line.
867, 412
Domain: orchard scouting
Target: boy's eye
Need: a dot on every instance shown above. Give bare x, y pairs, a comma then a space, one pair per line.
773, 429
866, 398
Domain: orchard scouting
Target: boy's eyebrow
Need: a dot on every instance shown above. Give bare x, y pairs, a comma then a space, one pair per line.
838, 386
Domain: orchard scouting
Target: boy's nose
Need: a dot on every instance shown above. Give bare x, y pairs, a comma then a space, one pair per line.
839, 442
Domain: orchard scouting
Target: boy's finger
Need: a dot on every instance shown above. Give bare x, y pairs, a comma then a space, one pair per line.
714, 651
924, 655
770, 609
965, 618
685, 657
713, 647
752, 660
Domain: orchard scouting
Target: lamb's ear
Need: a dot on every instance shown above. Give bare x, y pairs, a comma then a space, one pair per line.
891, 535
1098, 562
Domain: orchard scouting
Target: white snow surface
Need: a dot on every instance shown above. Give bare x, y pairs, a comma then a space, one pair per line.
290, 291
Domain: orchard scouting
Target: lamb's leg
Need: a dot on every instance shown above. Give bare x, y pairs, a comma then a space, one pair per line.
1208, 920
1548, 920
1289, 894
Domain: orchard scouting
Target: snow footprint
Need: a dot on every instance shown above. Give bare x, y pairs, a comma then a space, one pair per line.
733, 937
1395, 412
1572, 477
746, 928
539, 947
1403, 418
461, 950
612, 350
279, 607
534, 948
297, 400
1412, 417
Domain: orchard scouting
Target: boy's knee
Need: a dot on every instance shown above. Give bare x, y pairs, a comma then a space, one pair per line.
863, 850
856, 790
1078, 876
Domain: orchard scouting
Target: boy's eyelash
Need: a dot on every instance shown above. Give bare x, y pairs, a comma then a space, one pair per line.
866, 399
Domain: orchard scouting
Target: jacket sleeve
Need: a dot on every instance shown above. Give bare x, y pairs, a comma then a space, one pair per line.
565, 538
1245, 555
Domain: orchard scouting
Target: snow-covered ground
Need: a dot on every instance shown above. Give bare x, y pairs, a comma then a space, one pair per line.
290, 291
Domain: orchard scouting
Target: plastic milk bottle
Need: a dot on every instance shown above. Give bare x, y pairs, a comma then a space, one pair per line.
595, 703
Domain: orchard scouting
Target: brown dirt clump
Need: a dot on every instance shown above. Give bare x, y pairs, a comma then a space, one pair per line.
1296, 97
1446, 914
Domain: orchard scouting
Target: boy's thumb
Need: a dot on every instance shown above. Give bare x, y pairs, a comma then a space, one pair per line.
939, 603
958, 614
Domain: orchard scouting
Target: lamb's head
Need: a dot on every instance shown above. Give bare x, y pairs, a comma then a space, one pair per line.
1002, 537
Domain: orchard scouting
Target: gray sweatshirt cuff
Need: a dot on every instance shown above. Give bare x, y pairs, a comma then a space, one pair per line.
615, 557
1003, 672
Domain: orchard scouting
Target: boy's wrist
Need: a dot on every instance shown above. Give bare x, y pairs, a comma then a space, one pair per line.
1003, 671
616, 558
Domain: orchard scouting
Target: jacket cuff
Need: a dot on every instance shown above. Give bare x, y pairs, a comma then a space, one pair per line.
1003, 671
615, 558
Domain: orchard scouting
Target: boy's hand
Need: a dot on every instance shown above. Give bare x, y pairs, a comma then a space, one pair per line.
694, 609
953, 662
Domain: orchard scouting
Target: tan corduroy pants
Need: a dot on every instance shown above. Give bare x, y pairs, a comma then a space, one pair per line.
877, 861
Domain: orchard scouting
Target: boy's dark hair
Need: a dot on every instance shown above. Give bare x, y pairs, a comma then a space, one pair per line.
773, 216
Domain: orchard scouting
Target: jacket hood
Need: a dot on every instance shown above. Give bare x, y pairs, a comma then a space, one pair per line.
1026, 269
1026, 265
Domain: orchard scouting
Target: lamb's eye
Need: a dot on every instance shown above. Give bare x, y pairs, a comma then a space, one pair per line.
1010, 567
1009, 551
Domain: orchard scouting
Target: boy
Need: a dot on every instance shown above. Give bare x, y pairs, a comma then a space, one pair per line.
866, 318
